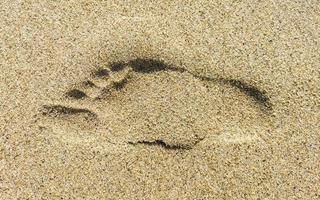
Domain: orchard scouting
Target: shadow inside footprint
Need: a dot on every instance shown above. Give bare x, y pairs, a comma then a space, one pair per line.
162, 144
117, 66
58, 110
76, 94
147, 65
251, 91
102, 73
119, 85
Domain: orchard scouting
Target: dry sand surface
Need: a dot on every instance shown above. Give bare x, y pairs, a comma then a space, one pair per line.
159, 99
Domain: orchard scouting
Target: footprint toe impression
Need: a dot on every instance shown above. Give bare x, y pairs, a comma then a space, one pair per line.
76, 94
147, 103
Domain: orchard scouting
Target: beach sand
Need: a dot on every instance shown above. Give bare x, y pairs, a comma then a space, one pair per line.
159, 100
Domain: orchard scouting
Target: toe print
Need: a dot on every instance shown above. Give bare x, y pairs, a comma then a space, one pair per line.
148, 103
57, 110
118, 66
76, 94
102, 73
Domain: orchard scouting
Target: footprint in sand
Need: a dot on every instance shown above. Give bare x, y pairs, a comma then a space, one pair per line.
145, 102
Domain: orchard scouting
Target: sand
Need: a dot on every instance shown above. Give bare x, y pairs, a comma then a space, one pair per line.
159, 100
